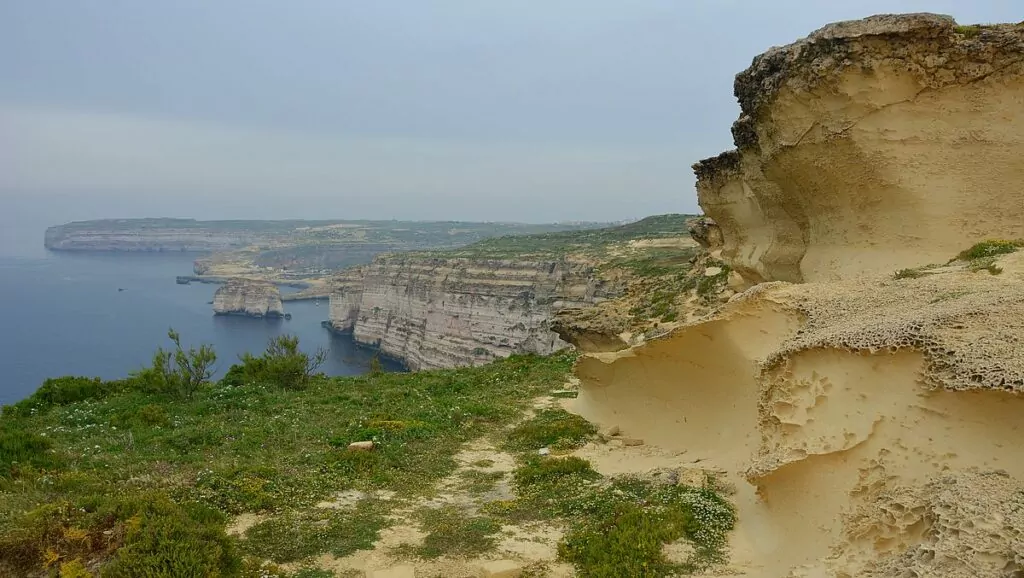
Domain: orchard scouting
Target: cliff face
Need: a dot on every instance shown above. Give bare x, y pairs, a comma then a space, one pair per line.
143, 235
439, 312
870, 146
248, 297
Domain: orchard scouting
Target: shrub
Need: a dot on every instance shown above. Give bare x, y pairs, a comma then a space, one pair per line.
626, 524
19, 448
551, 428
69, 389
178, 372
990, 248
282, 364
538, 471
167, 539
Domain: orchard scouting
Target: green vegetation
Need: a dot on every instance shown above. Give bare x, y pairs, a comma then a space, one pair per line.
587, 241
134, 478
282, 364
179, 371
617, 527
990, 248
968, 30
477, 482
982, 256
451, 532
295, 536
626, 524
131, 475
554, 428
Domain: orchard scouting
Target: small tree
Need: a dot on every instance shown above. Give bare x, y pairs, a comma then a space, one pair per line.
183, 372
283, 364
375, 366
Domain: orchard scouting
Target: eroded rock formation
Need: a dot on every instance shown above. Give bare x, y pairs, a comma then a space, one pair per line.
248, 297
437, 312
866, 423
870, 427
870, 146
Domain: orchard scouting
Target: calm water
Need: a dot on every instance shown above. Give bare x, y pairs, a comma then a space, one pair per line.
63, 314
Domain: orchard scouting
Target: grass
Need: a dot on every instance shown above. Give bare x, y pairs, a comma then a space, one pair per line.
619, 526
452, 532
477, 482
137, 482
77, 469
551, 428
298, 536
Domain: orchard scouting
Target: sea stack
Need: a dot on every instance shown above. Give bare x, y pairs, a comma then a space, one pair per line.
248, 297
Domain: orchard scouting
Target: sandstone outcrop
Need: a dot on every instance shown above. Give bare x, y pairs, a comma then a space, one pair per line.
433, 312
870, 426
248, 297
870, 146
868, 422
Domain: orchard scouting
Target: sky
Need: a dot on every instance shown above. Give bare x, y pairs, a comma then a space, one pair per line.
519, 110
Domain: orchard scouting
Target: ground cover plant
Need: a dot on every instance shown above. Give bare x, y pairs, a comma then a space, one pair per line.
123, 477
132, 478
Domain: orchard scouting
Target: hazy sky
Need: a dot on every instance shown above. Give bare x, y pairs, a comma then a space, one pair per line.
534, 110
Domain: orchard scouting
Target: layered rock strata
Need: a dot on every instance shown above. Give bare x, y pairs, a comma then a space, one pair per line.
439, 312
248, 297
870, 146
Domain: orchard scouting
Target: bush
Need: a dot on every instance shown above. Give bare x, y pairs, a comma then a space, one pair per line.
69, 389
627, 524
167, 539
151, 535
19, 448
282, 364
990, 248
551, 428
178, 372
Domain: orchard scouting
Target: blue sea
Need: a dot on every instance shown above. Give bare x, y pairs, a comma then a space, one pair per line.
104, 314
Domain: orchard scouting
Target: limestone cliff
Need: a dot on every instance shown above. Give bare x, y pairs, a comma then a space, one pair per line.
248, 297
146, 235
433, 312
870, 146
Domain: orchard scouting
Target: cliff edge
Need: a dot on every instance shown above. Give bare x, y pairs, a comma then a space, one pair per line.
869, 146
248, 297
434, 312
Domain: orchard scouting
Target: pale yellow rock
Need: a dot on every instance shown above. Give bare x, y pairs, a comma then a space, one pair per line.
871, 146
361, 446
248, 297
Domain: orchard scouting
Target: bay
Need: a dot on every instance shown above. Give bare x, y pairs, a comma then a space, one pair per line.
104, 314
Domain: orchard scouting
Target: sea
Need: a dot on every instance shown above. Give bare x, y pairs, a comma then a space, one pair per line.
105, 314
